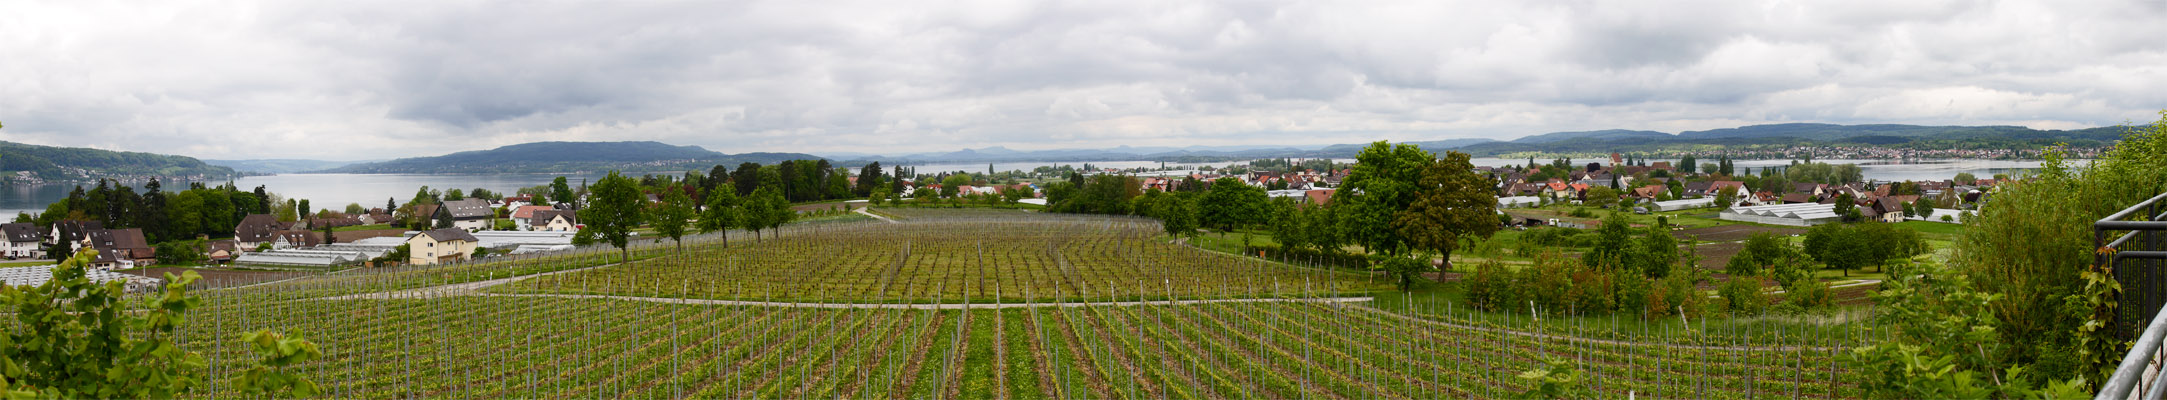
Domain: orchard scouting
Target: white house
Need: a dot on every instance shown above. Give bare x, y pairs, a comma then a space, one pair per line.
471, 214
522, 216
24, 241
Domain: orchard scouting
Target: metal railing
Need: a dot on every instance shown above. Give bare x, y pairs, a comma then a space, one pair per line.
2137, 257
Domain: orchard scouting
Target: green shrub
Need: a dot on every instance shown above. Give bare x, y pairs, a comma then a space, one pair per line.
1549, 237
1631, 290
1674, 294
1807, 294
1742, 296
1591, 292
1547, 281
1491, 287
1581, 213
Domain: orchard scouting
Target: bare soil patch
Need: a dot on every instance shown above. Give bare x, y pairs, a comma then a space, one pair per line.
219, 277
1732, 233
817, 207
351, 236
1714, 255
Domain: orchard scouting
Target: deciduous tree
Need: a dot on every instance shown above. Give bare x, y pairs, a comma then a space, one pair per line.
1231, 204
721, 213
611, 213
1386, 179
778, 211
671, 218
1451, 202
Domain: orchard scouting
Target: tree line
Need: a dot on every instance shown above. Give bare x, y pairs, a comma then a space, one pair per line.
1402, 206
165, 218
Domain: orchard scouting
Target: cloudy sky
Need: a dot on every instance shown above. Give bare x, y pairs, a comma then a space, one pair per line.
372, 80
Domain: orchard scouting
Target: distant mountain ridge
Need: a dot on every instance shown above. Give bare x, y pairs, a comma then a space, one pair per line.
648, 156
1608, 134
545, 157
279, 166
1601, 141
1798, 134
76, 163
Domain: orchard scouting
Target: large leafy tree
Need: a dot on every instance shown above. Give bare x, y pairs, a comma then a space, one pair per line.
1842, 246
1176, 212
777, 211
721, 212
1613, 244
1386, 178
613, 210
869, 178
953, 183
672, 218
1451, 202
560, 189
746, 178
1231, 204
1099, 194
1288, 225
1847, 207
754, 214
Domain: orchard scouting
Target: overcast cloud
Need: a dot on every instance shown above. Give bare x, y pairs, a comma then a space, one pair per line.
369, 80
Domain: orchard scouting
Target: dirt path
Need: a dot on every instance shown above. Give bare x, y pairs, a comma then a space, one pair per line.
456, 289
909, 306
1546, 336
875, 216
1862, 282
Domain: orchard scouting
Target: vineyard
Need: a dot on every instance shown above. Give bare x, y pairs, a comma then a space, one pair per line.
956, 259
948, 304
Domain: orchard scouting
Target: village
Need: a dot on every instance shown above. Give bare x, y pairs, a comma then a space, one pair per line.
474, 227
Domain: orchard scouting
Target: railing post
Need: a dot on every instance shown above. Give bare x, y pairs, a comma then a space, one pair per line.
2145, 286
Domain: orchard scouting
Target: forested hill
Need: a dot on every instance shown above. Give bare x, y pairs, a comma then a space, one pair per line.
558, 157
76, 163
1892, 136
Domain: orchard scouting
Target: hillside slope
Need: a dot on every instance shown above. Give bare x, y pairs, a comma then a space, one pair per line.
567, 157
76, 163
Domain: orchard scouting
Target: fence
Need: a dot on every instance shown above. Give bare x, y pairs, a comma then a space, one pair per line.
2136, 258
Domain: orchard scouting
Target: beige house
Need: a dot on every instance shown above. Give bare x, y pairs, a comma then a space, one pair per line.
555, 220
440, 246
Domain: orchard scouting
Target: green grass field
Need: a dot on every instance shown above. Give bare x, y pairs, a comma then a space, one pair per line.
1938, 230
380, 226
24, 263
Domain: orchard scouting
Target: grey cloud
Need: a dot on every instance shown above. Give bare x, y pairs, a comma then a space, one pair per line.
376, 80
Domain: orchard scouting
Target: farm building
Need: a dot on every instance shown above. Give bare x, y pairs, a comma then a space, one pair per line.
1518, 201
37, 275
1808, 214
368, 251
302, 258
538, 248
1675, 205
504, 240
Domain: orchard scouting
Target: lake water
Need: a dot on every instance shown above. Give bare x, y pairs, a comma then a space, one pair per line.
1879, 170
324, 191
1028, 166
334, 191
